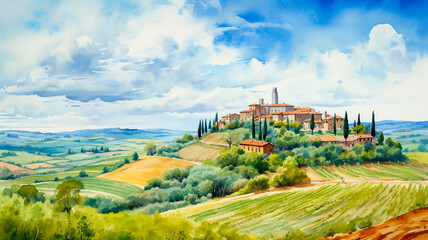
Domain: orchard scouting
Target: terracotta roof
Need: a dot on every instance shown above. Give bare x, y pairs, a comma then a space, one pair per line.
277, 113
365, 136
324, 138
230, 114
266, 116
254, 104
255, 143
301, 112
245, 111
331, 117
277, 105
308, 109
308, 120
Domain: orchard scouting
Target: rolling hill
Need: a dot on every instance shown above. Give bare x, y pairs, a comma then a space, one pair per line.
139, 172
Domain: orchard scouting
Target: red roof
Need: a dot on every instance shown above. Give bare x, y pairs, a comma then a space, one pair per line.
337, 117
308, 120
254, 104
255, 143
230, 114
245, 111
324, 138
364, 136
266, 116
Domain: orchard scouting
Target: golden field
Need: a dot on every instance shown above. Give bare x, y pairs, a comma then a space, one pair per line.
140, 171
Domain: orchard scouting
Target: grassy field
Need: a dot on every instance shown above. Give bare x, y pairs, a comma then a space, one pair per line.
200, 152
25, 158
418, 157
372, 171
139, 172
97, 186
42, 178
340, 207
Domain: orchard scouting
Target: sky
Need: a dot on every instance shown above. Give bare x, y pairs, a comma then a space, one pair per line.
68, 65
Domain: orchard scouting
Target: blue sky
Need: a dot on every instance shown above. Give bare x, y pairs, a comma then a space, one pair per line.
165, 64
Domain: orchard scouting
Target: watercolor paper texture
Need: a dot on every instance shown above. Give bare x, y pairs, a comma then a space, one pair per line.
209, 119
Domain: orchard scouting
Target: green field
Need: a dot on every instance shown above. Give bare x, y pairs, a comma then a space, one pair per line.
325, 173
338, 208
419, 158
115, 188
25, 158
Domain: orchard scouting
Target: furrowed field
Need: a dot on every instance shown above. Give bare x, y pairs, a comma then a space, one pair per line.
316, 212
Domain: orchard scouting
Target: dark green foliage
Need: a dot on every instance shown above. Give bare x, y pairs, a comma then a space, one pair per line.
334, 125
209, 125
260, 130
288, 124
105, 170
373, 127
126, 161
346, 127
199, 130
135, 156
358, 120
253, 127
28, 192
83, 174
265, 130
312, 124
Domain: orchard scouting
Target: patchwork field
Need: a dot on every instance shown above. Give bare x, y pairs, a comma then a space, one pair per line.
15, 169
316, 212
139, 172
25, 158
418, 157
200, 152
38, 165
394, 171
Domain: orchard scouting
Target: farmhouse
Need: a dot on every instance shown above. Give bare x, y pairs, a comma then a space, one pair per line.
329, 123
228, 119
347, 144
318, 124
257, 146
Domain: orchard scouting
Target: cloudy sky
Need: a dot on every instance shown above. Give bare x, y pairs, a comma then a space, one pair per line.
68, 65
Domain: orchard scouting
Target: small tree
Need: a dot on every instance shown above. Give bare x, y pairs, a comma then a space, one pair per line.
260, 130
135, 156
346, 127
358, 120
312, 124
209, 124
28, 192
334, 125
380, 138
373, 130
105, 170
288, 124
83, 174
265, 129
150, 149
67, 194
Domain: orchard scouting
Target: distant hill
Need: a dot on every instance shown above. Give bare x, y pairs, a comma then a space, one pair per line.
390, 125
116, 133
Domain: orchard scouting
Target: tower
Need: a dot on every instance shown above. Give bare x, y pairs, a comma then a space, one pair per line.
274, 95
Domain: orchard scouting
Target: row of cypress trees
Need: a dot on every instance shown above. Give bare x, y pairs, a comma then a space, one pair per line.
205, 125
262, 133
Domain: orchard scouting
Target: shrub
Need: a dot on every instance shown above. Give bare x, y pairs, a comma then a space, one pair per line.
255, 184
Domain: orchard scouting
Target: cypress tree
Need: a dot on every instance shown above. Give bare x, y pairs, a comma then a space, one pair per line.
260, 130
312, 124
288, 124
199, 130
216, 118
380, 138
334, 125
355, 123
265, 130
373, 130
346, 127
206, 126
253, 128
358, 121
209, 125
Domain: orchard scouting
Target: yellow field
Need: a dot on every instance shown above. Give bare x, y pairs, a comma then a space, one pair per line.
418, 157
37, 165
139, 172
200, 152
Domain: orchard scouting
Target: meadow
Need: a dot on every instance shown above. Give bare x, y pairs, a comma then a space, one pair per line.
317, 212
199, 152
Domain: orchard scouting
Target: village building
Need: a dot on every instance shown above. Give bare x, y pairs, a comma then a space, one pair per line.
245, 115
347, 144
324, 139
299, 116
318, 124
329, 123
257, 146
266, 117
228, 119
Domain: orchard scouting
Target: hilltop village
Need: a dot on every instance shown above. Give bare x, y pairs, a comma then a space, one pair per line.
283, 112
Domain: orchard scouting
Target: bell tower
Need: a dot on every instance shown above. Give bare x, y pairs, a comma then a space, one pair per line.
274, 95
